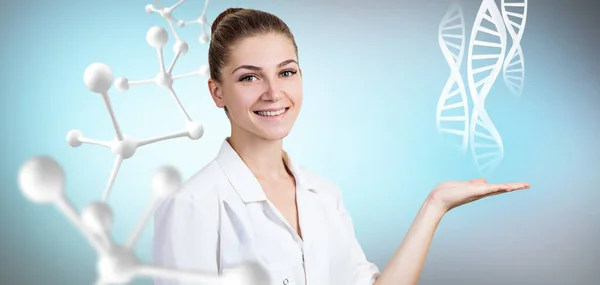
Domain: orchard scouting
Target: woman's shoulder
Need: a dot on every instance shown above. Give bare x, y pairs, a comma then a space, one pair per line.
201, 187
197, 199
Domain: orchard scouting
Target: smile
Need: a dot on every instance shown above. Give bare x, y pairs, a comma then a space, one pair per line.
272, 113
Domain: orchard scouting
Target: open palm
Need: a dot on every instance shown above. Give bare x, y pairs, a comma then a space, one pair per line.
451, 194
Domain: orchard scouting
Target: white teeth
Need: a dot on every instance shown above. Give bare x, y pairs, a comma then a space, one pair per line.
271, 113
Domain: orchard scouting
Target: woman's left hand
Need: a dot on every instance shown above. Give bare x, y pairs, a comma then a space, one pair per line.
451, 194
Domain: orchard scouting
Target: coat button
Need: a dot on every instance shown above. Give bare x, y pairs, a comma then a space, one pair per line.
286, 281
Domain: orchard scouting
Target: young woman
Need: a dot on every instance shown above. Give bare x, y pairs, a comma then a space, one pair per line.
254, 203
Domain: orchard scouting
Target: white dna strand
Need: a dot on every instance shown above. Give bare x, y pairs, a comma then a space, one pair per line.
41, 179
513, 70
167, 14
452, 115
487, 48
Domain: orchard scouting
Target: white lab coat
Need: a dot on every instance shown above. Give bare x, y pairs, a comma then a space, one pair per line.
221, 218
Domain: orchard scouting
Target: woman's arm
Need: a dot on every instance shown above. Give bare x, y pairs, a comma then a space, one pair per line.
407, 263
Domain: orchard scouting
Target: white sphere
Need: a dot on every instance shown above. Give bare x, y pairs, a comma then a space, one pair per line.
157, 37
180, 47
122, 84
125, 148
195, 130
180, 23
42, 179
249, 273
98, 77
98, 217
118, 266
166, 13
164, 80
166, 181
74, 138
149, 8
203, 38
204, 71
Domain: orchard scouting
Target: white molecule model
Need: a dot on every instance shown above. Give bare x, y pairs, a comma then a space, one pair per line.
486, 53
157, 37
166, 13
513, 69
42, 180
98, 78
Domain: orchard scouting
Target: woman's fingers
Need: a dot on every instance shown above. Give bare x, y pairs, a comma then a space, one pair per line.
493, 188
518, 185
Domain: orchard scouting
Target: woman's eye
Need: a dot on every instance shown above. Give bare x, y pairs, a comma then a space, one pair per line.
288, 73
248, 78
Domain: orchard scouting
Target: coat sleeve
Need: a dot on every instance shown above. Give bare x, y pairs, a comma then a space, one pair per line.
365, 272
186, 236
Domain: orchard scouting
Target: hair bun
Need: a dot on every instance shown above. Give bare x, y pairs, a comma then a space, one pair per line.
222, 16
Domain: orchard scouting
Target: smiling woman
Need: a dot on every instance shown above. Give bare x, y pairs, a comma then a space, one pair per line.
255, 74
253, 203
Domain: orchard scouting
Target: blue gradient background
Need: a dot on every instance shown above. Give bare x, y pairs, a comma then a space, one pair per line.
373, 73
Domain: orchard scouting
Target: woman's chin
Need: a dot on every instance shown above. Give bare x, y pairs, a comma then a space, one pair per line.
273, 135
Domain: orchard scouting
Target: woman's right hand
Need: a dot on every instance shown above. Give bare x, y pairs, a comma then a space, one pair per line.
451, 194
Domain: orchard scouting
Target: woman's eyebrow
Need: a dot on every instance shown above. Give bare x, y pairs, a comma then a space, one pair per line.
252, 67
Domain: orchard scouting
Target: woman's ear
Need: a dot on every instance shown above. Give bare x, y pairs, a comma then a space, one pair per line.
216, 92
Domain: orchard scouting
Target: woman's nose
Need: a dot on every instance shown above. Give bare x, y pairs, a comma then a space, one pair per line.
272, 92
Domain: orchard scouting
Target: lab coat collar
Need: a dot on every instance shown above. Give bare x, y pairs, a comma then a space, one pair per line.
243, 180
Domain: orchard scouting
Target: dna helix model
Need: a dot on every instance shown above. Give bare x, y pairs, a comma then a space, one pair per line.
41, 178
454, 95
486, 58
513, 69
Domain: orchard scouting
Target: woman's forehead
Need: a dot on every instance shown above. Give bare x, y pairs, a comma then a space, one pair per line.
263, 50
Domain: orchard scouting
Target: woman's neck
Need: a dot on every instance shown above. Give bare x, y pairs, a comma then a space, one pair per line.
263, 157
